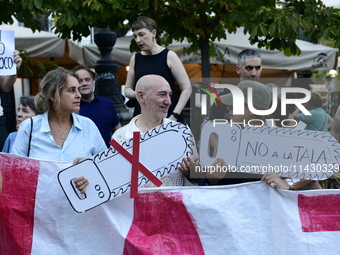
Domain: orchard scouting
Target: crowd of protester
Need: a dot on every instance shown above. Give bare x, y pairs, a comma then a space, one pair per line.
53, 124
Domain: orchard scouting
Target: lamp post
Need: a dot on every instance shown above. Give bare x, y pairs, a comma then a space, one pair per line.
106, 72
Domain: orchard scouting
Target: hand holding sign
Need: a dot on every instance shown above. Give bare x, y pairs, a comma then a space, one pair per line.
7, 61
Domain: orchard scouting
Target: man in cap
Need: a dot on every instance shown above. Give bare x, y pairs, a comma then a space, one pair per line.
261, 96
261, 100
249, 67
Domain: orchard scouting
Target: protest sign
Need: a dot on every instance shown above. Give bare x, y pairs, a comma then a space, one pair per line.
109, 172
7, 64
289, 152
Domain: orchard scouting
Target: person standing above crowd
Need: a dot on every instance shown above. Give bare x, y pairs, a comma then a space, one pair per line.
99, 109
155, 59
26, 110
6, 84
57, 133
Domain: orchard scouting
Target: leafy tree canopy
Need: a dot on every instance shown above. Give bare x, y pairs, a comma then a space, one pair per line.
271, 24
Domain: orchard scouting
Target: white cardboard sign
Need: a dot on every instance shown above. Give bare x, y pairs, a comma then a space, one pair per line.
109, 173
7, 65
291, 153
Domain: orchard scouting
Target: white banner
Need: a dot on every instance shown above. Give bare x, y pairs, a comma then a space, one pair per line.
251, 218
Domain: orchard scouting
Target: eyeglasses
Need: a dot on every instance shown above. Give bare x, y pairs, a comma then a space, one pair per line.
250, 68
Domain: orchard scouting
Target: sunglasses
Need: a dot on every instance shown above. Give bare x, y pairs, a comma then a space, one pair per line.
250, 68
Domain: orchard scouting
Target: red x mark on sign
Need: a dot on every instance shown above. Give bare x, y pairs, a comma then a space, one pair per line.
136, 165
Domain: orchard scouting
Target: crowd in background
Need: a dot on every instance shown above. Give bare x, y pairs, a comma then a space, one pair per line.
67, 121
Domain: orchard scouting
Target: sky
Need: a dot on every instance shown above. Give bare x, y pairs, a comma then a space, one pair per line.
333, 3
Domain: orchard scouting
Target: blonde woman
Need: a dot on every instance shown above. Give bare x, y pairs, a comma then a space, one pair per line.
58, 133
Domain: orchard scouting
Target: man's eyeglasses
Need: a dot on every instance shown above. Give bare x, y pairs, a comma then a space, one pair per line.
250, 68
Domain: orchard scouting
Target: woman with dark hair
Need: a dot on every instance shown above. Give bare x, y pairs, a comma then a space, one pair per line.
58, 133
26, 110
155, 59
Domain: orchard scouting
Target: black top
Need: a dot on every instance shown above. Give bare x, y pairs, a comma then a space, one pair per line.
156, 64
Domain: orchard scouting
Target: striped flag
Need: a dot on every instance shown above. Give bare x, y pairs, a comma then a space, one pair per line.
250, 218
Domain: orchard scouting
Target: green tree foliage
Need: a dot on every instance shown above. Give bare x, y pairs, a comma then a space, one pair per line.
270, 24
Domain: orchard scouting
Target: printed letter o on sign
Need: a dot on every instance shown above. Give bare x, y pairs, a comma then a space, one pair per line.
6, 63
3, 48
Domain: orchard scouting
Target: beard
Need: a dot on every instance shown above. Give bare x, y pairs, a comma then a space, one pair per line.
86, 96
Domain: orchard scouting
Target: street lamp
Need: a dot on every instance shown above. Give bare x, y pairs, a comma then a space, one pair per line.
106, 72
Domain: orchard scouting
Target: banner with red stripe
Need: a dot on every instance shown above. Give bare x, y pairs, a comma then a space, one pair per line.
250, 218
